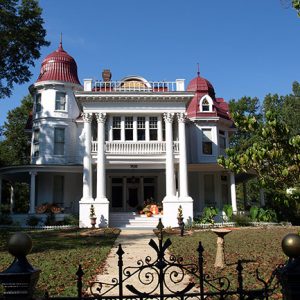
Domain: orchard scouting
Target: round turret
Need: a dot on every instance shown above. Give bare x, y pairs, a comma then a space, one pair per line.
200, 84
59, 66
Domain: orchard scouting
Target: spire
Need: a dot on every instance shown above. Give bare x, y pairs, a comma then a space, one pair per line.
60, 48
198, 68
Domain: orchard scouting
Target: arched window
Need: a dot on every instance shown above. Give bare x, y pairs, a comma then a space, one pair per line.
205, 104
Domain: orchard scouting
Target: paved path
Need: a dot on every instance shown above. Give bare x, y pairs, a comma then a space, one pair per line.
135, 245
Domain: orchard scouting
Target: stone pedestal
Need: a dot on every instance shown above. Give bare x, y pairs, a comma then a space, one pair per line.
220, 255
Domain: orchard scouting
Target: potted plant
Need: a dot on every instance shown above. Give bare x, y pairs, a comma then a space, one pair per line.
93, 217
180, 220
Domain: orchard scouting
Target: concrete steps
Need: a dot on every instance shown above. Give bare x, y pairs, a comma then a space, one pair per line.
131, 220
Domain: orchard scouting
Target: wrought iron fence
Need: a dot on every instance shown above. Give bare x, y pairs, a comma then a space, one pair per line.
167, 277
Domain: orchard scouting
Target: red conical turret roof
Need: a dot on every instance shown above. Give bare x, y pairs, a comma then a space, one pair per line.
200, 84
59, 66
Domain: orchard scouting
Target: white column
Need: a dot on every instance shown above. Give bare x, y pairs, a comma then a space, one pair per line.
170, 201
87, 160
233, 192
101, 176
11, 200
262, 197
32, 192
147, 133
183, 181
186, 201
159, 129
170, 190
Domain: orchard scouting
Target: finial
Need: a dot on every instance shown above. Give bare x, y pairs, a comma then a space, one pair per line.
198, 68
60, 43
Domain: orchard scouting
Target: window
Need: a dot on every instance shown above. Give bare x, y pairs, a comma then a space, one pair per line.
36, 142
116, 128
128, 128
38, 102
60, 101
59, 141
205, 105
58, 190
206, 141
222, 142
153, 128
141, 129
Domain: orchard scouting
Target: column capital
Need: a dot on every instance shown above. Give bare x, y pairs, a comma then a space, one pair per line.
101, 117
33, 173
168, 117
87, 117
181, 117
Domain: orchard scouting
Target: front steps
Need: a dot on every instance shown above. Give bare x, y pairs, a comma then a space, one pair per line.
131, 220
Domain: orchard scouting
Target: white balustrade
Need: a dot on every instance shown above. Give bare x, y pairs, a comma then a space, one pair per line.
135, 148
134, 86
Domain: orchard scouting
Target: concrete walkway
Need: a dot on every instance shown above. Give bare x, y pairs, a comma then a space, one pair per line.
135, 245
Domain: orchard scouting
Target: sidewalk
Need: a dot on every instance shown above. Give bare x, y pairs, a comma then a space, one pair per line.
135, 245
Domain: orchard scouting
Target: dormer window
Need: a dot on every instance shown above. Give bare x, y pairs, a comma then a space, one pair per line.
60, 101
206, 104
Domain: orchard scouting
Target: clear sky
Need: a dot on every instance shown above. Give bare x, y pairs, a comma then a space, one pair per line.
243, 47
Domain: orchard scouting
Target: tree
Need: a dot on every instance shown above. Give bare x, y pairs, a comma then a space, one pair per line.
296, 5
22, 36
272, 150
15, 148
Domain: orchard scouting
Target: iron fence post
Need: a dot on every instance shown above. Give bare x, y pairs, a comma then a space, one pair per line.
79, 275
240, 288
120, 253
200, 266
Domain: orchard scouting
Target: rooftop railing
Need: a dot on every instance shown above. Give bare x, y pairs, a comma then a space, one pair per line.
133, 86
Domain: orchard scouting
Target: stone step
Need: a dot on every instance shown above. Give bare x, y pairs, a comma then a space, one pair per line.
133, 220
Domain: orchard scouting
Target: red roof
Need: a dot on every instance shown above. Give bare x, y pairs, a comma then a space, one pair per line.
59, 66
200, 84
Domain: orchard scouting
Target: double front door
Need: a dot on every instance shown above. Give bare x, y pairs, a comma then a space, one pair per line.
129, 193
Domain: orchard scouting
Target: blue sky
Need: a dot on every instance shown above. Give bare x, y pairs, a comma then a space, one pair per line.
243, 47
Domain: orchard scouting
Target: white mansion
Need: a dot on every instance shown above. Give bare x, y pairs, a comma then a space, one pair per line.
115, 144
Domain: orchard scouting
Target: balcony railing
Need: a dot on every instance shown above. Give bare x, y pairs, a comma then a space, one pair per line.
135, 86
135, 148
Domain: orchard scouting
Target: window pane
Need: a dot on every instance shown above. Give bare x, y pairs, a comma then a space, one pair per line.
59, 141
116, 134
141, 134
153, 134
153, 122
38, 101
116, 122
209, 195
207, 134
141, 122
60, 102
128, 134
128, 122
207, 147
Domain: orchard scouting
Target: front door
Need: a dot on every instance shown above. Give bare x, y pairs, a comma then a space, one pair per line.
132, 197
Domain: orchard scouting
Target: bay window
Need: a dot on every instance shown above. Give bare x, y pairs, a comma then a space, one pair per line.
60, 101
59, 141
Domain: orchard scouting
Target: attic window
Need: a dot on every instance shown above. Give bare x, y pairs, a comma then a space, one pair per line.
205, 104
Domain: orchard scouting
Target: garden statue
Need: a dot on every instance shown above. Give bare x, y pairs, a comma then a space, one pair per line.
93, 217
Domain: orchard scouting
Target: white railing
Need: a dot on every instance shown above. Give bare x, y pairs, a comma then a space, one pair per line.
135, 86
135, 148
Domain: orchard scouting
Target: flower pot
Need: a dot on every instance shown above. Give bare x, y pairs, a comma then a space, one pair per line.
93, 221
149, 214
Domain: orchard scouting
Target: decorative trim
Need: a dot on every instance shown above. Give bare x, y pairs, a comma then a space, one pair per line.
168, 117
181, 117
87, 117
101, 117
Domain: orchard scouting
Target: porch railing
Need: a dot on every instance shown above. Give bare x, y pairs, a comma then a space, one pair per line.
135, 148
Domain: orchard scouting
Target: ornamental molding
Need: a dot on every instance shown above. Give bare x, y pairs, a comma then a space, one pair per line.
87, 117
101, 117
168, 117
181, 117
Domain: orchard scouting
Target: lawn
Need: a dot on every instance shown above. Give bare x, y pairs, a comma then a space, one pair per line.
58, 254
258, 248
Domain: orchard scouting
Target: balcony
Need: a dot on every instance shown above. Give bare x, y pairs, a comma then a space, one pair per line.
135, 148
134, 86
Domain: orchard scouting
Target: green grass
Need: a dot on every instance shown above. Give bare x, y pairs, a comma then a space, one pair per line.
257, 248
58, 254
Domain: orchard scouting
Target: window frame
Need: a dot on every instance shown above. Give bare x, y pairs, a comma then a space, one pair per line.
57, 143
206, 141
36, 142
38, 102
209, 104
58, 103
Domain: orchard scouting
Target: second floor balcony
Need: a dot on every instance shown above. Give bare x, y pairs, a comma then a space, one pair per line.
135, 148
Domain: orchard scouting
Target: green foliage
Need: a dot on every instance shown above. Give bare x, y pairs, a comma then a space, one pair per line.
71, 220
208, 215
254, 211
179, 213
22, 36
33, 221
274, 148
259, 214
228, 210
15, 148
296, 5
241, 220
92, 211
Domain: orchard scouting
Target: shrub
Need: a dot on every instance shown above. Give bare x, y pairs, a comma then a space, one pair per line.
5, 219
71, 220
228, 211
241, 220
208, 215
33, 221
267, 215
254, 211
